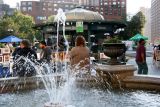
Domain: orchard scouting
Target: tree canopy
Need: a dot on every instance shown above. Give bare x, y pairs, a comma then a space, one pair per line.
21, 26
51, 18
134, 26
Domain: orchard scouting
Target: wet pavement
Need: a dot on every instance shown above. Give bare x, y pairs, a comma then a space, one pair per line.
152, 68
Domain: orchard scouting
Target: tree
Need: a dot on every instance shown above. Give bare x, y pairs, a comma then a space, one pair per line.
134, 26
20, 24
51, 18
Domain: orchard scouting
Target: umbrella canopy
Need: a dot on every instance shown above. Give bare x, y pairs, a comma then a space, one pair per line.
11, 39
138, 37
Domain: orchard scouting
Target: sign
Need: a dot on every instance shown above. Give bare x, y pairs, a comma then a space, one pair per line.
79, 27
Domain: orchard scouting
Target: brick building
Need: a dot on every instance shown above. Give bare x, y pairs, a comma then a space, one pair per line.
113, 9
5, 9
41, 10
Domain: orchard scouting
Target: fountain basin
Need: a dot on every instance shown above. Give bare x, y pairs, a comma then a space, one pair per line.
90, 97
114, 74
123, 76
13, 84
142, 82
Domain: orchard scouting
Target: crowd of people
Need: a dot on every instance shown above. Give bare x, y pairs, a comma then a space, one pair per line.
23, 68
78, 55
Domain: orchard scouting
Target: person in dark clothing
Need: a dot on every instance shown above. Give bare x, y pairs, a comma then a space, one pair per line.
23, 67
141, 58
15, 52
45, 55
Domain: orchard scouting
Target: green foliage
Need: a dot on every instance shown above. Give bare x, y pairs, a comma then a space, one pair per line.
51, 18
134, 26
113, 40
19, 23
2, 45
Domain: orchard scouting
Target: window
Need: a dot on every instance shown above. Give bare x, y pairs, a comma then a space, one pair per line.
41, 17
66, 10
105, 3
44, 9
24, 9
29, 8
49, 9
72, 6
114, 3
123, 4
49, 4
30, 3
23, 3
55, 10
66, 6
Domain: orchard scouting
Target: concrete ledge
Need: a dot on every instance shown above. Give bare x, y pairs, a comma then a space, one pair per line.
142, 82
22, 83
13, 84
115, 69
133, 54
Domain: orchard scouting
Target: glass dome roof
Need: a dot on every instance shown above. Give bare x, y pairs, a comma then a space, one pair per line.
80, 14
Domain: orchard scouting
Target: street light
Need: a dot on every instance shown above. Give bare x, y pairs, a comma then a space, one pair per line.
10, 30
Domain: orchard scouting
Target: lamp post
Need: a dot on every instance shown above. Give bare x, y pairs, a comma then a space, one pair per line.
10, 31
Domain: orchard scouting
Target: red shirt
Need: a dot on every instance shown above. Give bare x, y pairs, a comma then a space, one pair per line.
140, 50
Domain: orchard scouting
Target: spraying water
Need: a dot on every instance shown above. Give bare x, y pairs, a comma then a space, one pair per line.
59, 84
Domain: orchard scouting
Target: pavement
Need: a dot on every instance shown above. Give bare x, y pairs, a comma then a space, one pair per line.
153, 70
133, 53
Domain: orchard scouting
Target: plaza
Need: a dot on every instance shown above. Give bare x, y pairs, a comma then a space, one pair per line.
109, 77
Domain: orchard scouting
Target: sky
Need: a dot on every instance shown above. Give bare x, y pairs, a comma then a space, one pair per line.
132, 5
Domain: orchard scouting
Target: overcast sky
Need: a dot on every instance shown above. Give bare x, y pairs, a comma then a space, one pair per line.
132, 5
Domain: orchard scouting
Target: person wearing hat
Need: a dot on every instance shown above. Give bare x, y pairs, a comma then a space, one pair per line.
141, 57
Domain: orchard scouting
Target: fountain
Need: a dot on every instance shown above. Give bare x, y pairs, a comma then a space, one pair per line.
64, 91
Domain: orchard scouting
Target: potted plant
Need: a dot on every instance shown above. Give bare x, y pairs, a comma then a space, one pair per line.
113, 48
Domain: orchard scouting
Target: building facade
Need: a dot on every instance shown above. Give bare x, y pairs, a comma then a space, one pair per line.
147, 26
5, 10
41, 10
155, 20
113, 9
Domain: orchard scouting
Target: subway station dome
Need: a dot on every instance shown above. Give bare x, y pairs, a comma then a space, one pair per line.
80, 14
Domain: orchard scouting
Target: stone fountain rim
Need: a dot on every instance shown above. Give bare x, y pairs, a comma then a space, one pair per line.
116, 68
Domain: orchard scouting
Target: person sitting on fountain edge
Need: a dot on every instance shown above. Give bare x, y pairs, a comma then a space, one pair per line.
23, 67
45, 55
79, 54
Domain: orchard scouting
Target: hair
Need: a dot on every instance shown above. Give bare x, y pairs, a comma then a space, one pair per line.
26, 43
80, 40
141, 40
43, 43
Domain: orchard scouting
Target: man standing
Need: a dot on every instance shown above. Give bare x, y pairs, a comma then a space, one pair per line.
141, 58
45, 55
